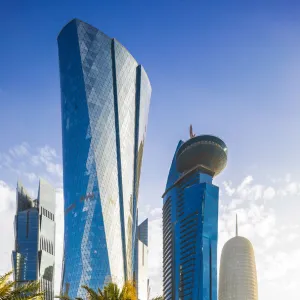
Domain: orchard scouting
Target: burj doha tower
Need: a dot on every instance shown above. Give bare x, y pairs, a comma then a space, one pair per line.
105, 97
238, 278
190, 219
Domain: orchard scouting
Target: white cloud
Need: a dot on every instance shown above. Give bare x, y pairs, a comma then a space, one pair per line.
292, 236
269, 193
47, 153
265, 226
245, 190
229, 190
46, 156
292, 188
20, 150
293, 285
5, 160
234, 203
278, 264
270, 241
156, 212
7, 212
32, 177
244, 183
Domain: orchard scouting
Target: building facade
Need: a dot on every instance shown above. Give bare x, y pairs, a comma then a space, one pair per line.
34, 254
238, 278
190, 220
105, 97
141, 272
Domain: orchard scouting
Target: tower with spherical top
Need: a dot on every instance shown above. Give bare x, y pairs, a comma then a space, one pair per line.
190, 219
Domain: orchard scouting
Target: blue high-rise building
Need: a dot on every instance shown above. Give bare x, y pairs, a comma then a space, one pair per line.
190, 219
105, 97
33, 257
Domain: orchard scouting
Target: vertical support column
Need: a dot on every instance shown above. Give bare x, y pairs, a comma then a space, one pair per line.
119, 164
136, 145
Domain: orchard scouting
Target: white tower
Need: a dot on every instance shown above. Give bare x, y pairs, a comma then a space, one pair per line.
238, 280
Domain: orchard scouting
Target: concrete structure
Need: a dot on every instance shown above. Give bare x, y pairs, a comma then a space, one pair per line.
190, 219
238, 279
33, 257
141, 274
105, 97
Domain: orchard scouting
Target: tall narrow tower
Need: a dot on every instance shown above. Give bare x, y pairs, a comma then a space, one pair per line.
105, 97
141, 272
190, 219
33, 257
237, 278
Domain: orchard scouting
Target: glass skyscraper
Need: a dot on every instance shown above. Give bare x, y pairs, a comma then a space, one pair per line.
190, 219
33, 258
105, 97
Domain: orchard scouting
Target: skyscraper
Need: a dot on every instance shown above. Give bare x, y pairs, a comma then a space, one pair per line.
141, 276
33, 258
190, 219
105, 97
238, 278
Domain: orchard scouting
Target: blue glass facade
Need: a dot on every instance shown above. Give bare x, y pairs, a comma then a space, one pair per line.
33, 258
190, 230
105, 97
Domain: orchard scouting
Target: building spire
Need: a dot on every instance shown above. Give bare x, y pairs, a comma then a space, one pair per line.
236, 226
192, 134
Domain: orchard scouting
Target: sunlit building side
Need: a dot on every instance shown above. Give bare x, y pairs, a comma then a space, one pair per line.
141, 274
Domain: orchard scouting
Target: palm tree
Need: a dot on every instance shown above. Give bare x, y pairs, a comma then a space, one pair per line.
10, 290
110, 292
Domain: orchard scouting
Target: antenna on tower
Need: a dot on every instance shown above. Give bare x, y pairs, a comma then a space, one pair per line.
192, 134
236, 226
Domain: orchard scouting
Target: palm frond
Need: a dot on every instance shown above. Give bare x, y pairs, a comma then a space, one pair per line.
11, 290
64, 297
128, 291
92, 295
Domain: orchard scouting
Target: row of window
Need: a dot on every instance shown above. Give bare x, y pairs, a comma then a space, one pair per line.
167, 250
47, 213
46, 245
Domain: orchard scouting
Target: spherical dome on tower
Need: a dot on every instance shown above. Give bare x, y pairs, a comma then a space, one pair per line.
207, 151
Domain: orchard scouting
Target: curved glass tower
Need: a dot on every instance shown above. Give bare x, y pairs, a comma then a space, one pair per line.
238, 279
105, 96
190, 219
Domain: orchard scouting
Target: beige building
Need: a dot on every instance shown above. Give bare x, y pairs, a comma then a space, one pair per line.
237, 278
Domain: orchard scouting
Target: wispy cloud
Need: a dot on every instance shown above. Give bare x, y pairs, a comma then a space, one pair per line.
30, 163
19, 150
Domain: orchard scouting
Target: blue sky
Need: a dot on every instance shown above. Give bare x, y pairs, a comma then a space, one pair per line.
231, 68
